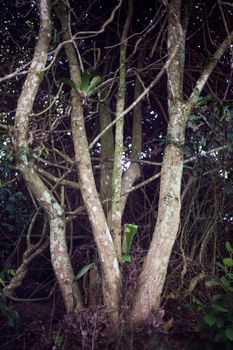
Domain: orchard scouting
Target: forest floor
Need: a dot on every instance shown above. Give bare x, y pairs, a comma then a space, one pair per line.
42, 328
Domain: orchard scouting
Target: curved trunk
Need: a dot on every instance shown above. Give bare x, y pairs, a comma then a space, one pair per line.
59, 254
110, 268
154, 271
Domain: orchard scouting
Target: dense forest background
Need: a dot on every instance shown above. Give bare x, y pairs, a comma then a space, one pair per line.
124, 51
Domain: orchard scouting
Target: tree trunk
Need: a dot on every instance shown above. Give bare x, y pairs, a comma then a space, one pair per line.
116, 209
59, 254
152, 277
111, 276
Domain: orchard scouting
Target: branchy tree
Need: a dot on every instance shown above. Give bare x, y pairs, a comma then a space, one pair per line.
104, 93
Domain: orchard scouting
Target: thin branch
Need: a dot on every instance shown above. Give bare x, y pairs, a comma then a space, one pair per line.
60, 46
58, 180
208, 70
140, 97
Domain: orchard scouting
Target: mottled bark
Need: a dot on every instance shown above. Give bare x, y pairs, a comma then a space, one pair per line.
59, 255
111, 276
107, 148
154, 270
116, 210
107, 151
152, 277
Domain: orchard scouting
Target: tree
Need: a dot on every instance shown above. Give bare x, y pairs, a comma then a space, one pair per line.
55, 168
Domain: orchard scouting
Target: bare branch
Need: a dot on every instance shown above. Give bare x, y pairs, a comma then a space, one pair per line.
140, 97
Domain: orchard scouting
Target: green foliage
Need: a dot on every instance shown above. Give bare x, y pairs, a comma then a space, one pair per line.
11, 315
130, 231
5, 276
84, 270
126, 258
6, 311
12, 209
196, 304
217, 323
87, 86
203, 100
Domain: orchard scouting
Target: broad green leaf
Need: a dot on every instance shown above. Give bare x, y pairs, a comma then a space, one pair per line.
210, 320
93, 84
84, 270
130, 232
126, 258
228, 262
88, 84
229, 247
85, 81
229, 334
